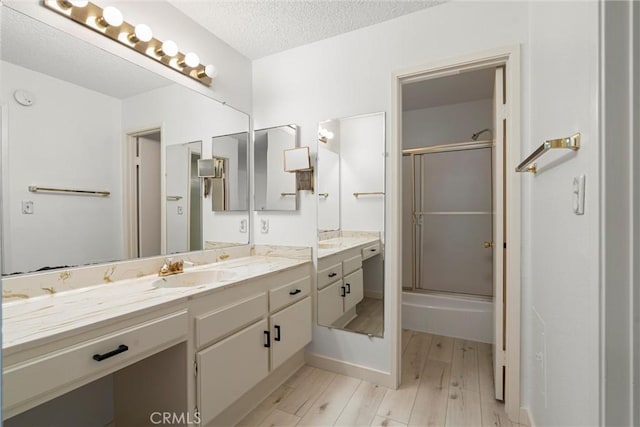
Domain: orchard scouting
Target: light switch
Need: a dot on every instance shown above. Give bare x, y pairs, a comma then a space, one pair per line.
578, 194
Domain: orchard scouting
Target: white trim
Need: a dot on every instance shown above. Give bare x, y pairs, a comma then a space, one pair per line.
526, 418
375, 376
491, 58
5, 199
129, 209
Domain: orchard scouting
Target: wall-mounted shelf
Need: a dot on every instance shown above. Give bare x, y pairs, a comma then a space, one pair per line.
570, 143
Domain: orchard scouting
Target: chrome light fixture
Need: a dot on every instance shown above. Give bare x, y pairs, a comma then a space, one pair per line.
110, 23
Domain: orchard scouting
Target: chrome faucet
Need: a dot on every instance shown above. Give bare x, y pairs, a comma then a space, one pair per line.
169, 267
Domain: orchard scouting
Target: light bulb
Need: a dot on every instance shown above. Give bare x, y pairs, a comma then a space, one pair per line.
169, 48
209, 71
141, 33
190, 60
110, 17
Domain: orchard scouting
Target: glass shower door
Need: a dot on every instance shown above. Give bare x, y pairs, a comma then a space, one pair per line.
453, 191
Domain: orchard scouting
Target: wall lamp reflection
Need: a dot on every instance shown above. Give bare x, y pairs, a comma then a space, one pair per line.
110, 23
298, 161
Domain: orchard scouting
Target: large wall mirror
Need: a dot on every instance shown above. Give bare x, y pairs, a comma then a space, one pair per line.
351, 200
275, 189
104, 124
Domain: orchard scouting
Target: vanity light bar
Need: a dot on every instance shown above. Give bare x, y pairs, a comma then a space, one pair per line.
110, 23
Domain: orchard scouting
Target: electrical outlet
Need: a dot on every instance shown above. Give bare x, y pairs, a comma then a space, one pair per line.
264, 225
578, 195
243, 226
540, 355
27, 207
180, 210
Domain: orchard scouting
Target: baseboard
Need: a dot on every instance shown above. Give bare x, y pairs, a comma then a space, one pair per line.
346, 318
345, 368
525, 418
251, 399
373, 294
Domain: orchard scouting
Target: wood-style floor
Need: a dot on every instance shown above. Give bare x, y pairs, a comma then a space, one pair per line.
370, 319
445, 382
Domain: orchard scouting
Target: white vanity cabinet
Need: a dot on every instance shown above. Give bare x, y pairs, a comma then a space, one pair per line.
63, 365
339, 296
244, 333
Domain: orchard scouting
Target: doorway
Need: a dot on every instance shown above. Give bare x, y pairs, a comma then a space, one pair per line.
460, 202
143, 193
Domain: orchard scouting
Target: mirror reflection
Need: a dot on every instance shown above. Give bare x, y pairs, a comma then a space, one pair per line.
230, 181
102, 124
275, 189
351, 177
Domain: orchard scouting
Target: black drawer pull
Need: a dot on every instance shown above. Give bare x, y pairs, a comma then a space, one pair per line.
296, 292
277, 334
333, 274
267, 336
343, 294
372, 250
100, 357
348, 288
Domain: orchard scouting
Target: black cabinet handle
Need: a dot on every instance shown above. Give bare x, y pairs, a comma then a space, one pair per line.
348, 288
277, 334
100, 357
372, 250
343, 294
333, 274
296, 292
267, 339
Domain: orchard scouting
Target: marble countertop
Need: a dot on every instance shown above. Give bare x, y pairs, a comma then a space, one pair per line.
336, 245
42, 319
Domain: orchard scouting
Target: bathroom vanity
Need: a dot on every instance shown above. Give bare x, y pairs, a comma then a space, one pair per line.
191, 343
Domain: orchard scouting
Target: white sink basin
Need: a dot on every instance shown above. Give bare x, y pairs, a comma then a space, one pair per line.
193, 278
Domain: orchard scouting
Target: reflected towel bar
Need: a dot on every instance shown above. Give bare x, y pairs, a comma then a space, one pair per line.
36, 189
372, 193
325, 195
287, 194
173, 198
571, 143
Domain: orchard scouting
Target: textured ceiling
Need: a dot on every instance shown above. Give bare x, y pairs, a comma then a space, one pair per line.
258, 28
39, 47
463, 87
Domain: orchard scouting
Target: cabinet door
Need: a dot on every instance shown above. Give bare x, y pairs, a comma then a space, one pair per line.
231, 367
330, 304
290, 331
354, 286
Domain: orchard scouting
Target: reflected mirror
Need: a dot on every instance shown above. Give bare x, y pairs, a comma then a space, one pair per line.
275, 189
351, 200
230, 182
112, 130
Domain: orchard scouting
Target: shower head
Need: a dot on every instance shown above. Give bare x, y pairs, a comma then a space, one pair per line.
475, 136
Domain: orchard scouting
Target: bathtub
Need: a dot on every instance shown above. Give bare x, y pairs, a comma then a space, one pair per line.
450, 315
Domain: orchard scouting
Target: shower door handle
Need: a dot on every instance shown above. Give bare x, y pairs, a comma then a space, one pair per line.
488, 245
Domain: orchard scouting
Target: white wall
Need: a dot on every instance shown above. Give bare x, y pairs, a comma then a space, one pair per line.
349, 75
233, 83
85, 156
178, 184
279, 181
362, 163
446, 124
187, 116
328, 178
560, 249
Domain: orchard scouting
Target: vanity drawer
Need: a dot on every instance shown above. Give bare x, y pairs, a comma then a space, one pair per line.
350, 265
284, 295
329, 275
371, 250
212, 326
52, 374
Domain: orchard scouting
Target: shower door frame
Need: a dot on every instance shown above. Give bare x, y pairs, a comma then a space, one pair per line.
509, 57
415, 245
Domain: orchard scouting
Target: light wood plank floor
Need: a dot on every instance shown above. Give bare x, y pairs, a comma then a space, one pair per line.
445, 382
370, 319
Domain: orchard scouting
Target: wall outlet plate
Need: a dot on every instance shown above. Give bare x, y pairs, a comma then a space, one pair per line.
264, 225
27, 207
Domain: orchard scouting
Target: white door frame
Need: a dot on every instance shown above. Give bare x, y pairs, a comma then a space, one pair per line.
129, 208
509, 56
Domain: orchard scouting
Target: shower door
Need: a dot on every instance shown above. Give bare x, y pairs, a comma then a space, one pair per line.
453, 221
